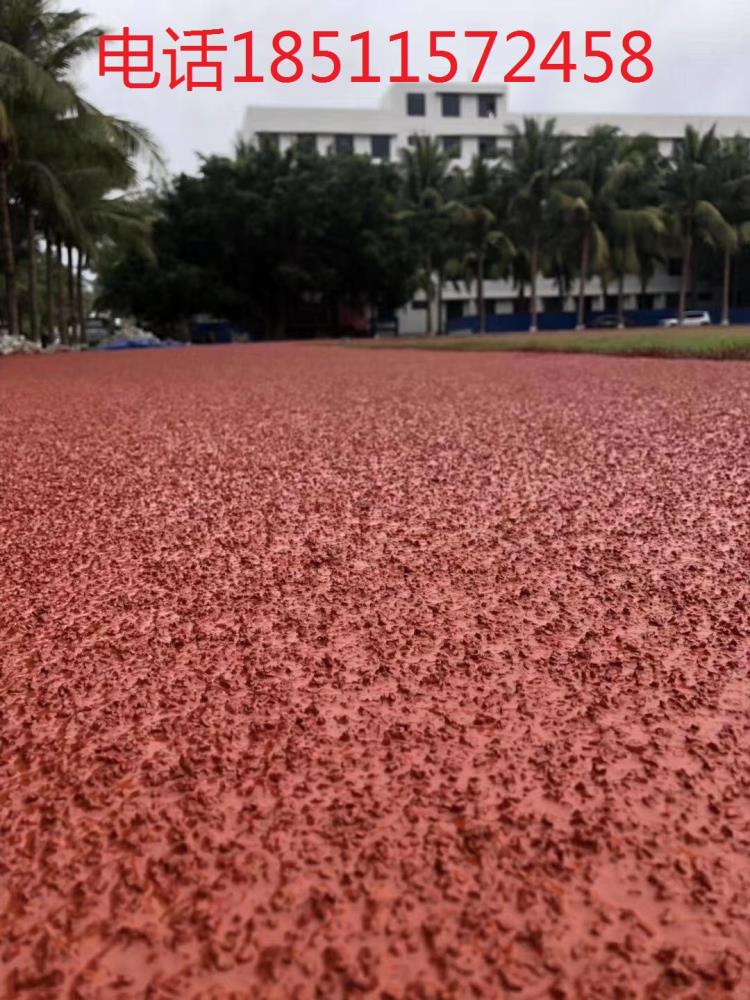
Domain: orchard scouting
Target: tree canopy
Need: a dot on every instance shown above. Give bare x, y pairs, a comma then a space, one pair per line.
281, 242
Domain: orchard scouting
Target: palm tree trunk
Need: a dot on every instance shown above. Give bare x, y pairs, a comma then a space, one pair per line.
533, 307
49, 290
480, 293
727, 286
74, 331
430, 329
581, 320
79, 298
61, 316
33, 284
620, 301
9, 258
687, 263
644, 277
439, 328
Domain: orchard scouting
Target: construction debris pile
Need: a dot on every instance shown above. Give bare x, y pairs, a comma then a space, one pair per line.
17, 345
128, 337
132, 337
121, 340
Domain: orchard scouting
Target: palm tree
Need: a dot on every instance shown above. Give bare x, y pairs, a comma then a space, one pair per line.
21, 81
733, 201
102, 221
532, 169
94, 161
40, 194
690, 198
487, 247
642, 189
425, 174
54, 143
590, 200
629, 229
55, 40
634, 219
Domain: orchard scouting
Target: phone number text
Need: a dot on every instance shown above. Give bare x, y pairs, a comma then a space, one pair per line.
194, 59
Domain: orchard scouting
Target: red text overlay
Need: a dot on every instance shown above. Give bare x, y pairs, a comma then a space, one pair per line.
194, 59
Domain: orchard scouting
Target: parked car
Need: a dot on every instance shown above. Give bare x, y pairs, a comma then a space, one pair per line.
354, 321
692, 317
608, 321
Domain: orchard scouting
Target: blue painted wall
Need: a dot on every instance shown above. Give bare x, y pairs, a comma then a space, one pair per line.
567, 320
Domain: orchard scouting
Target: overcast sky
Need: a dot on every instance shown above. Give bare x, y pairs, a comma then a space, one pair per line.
700, 53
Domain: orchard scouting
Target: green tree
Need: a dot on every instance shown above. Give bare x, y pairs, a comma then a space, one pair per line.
592, 203
488, 250
732, 183
611, 195
532, 171
426, 193
690, 191
264, 238
22, 82
61, 153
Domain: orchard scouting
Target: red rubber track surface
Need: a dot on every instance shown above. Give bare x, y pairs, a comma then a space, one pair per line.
339, 673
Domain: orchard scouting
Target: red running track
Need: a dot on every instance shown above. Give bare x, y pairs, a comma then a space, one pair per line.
337, 673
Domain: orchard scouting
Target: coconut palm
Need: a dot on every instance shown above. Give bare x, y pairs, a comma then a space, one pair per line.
102, 220
487, 249
690, 194
22, 83
591, 202
531, 171
641, 189
54, 141
634, 220
732, 184
93, 166
426, 187
629, 229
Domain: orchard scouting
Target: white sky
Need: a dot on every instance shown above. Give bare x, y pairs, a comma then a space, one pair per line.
700, 53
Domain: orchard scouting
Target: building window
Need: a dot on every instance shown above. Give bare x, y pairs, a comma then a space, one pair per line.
451, 105
381, 147
452, 146
412, 140
454, 309
415, 105
268, 140
307, 143
488, 146
344, 145
487, 106
419, 304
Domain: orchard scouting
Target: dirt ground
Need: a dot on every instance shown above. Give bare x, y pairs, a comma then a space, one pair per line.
331, 673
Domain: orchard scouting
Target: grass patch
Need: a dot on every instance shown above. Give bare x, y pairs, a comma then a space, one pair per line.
718, 343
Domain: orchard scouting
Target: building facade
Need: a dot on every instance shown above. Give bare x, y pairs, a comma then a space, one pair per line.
471, 120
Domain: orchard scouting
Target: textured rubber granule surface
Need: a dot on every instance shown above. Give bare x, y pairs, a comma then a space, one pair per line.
334, 673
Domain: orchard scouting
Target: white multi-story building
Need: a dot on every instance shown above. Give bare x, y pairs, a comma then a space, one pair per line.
470, 120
